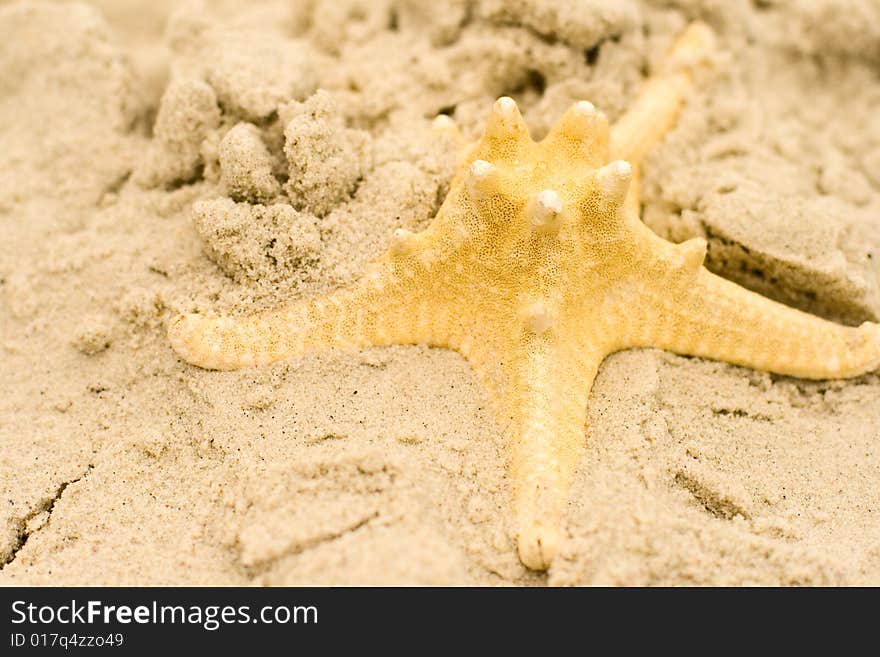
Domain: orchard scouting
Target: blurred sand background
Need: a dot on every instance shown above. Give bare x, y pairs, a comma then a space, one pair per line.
159, 157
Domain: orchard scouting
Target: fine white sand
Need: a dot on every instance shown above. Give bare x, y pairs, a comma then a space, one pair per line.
159, 157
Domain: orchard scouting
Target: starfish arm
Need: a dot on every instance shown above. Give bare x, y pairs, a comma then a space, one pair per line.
655, 111
377, 310
547, 435
713, 318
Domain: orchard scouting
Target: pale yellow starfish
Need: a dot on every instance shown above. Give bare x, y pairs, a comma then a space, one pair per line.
535, 268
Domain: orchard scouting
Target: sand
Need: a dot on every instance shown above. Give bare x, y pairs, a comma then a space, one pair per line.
159, 157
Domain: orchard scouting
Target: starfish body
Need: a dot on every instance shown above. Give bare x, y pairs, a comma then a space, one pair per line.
535, 268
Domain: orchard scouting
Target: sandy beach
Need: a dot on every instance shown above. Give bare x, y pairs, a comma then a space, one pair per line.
164, 157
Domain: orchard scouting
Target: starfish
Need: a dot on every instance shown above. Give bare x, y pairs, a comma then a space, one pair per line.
535, 268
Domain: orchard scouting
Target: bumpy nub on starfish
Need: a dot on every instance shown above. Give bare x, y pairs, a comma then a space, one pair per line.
535, 268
